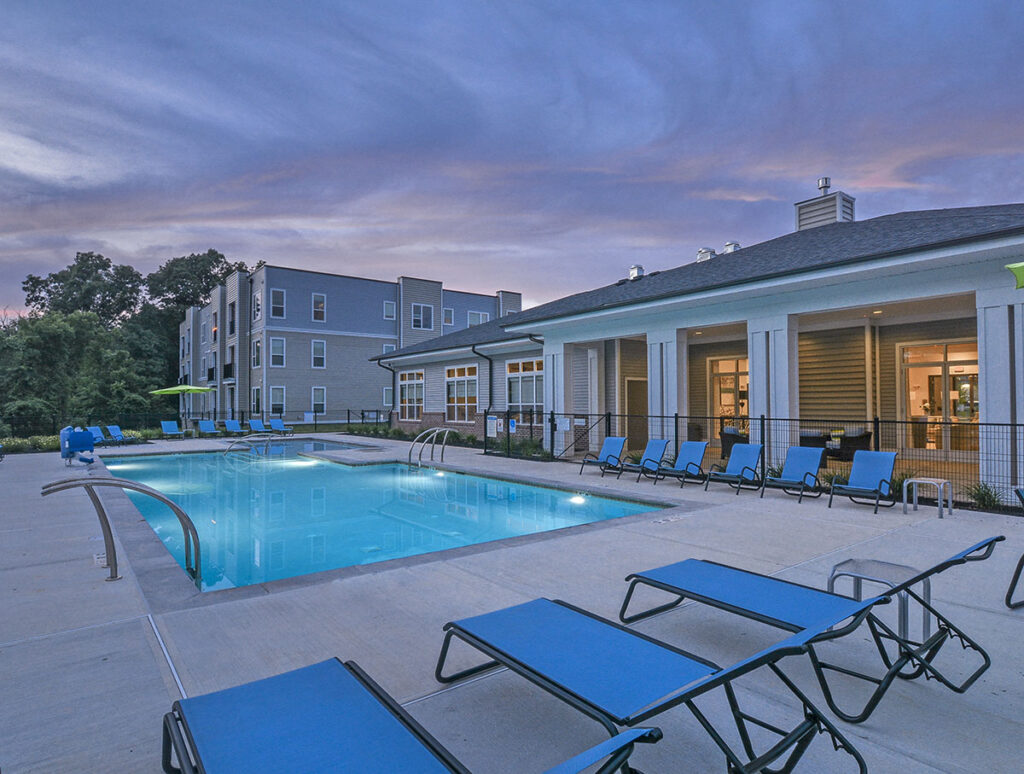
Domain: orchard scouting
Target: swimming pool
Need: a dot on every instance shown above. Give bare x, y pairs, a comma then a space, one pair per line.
267, 518
289, 447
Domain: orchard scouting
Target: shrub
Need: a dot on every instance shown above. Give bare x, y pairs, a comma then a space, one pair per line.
830, 477
398, 434
985, 496
898, 479
773, 470
470, 440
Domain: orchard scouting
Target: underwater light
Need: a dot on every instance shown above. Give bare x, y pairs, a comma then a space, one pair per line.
577, 499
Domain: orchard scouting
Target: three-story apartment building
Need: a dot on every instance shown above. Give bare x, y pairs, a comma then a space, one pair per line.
288, 342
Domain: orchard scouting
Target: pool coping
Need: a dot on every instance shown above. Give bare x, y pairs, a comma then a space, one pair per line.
167, 588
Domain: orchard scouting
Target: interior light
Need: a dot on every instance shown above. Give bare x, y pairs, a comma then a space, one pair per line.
877, 311
698, 333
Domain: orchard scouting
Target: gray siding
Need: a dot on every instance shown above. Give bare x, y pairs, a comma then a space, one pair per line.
611, 370
832, 374
417, 291
463, 303
699, 355
580, 381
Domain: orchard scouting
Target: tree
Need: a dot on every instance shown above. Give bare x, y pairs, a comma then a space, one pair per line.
91, 284
189, 279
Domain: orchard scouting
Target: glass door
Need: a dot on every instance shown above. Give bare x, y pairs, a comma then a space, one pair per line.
940, 395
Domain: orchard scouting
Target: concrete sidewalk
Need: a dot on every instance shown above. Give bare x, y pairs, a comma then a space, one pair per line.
87, 667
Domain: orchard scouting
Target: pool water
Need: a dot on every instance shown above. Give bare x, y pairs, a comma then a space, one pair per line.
265, 518
289, 447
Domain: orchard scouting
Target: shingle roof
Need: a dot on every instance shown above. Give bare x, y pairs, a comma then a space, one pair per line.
485, 333
816, 248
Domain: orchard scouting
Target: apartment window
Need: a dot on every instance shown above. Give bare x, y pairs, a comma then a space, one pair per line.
475, 318
318, 402
389, 396
213, 329
257, 306
277, 400
526, 389
460, 392
389, 348
277, 353
231, 319
257, 403
202, 367
389, 310
188, 341
423, 317
277, 303
183, 346
319, 352
410, 395
448, 315
319, 307
257, 359
730, 387
202, 333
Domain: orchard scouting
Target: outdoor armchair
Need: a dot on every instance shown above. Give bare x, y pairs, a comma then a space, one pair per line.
870, 480
850, 442
171, 428
799, 474
796, 608
688, 464
620, 677
325, 717
207, 427
650, 460
742, 471
609, 458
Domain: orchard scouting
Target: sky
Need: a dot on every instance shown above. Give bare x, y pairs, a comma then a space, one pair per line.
531, 145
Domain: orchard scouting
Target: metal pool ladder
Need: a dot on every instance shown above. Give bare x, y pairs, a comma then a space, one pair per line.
250, 441
192, 555
430, 436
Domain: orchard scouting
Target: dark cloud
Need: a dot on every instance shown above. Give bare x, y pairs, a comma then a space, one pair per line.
535, 145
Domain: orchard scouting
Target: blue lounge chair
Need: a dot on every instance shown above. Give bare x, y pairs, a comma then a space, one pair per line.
688, 464
278, 426
257, 426
799, 474
870, 477
650, 461
609, 458
325, 717
168, 427
742, 469
119, 437
97, 435
207, 427
73, 442
232, 426
797, 608
620, 677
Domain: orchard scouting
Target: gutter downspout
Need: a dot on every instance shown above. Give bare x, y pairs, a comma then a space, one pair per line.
394, 377
490, 377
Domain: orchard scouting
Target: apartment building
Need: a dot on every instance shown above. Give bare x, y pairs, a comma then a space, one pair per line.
288, 342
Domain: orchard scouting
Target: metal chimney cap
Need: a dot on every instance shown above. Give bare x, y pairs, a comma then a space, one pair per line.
731, 247
636, 271
824, 183
705, 254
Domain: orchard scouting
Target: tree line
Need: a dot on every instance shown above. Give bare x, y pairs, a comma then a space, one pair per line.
99, 336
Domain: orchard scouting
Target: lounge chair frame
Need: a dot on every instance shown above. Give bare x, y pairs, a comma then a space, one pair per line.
919, 655
854, 492
604, 461
691, 471
807, 486
647, 465
1020, 567
737, 481
177, 738
798, 738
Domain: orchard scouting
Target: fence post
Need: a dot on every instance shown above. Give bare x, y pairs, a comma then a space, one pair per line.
877, 428
348, 416
764, 444
551, 429
314, 421
508, 435
675, 429
485, 432
607, 424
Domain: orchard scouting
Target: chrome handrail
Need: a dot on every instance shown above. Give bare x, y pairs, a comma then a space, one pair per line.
193, 564
429, 436
249, 441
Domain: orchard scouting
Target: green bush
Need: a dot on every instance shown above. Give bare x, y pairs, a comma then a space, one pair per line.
470, 440
773, 470
985, 496
35, 443
898, 479
830, 477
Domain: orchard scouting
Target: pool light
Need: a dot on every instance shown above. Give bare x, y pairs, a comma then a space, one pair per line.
577, 499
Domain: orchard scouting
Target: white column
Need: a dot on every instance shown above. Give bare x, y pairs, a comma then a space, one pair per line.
1000, 374
772, 353
661, 382
555, 386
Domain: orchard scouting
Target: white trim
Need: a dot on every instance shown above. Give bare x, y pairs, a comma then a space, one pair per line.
312, 399
312, 354
284, 399
284, 304
284, 352
254, 345
252, 398
711, 381
385, 349
394, 310
312, 307
446, 312
322, 332
431, 355
901, 408
469, 324
475, 377
390, 403
412, 317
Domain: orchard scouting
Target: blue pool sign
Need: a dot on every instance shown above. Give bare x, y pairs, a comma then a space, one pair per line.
511, 425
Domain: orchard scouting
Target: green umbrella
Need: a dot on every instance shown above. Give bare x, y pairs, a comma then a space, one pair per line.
178, 389
1018, 273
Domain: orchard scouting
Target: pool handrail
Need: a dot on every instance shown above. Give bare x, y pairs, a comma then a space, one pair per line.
193, 564
249, 441
429, 436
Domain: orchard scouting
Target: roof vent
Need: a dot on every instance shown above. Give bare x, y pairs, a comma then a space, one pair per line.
705, 254
731, 247
824, 209
636, 271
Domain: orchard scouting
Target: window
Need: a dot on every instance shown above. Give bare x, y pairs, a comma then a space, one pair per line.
231, 319
213, 329
460, 392
257, 306
188, 341
448, 315
277, 353
257, 360
277, 303
389, 348
202, 367
730, 382
318, 402
526, 389
277, 400
319, 354
475, 318
319, 307
183, 346
389, 310
202, 333
423, 317
410, 395
257, 403
389, 396
939, 392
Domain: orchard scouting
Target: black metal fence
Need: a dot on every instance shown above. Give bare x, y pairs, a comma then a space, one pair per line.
983, 461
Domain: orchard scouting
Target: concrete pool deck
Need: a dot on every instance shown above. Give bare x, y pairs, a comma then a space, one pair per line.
87, 667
